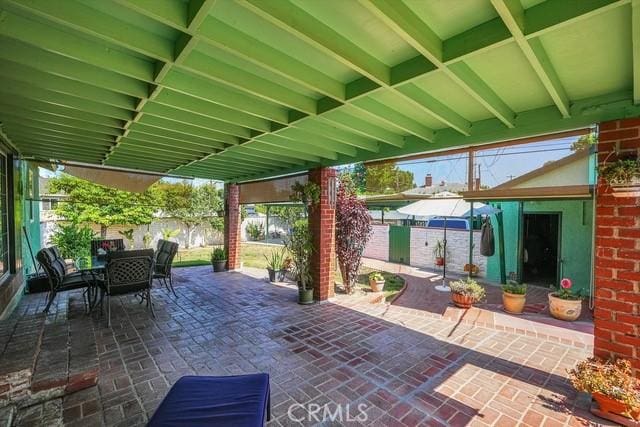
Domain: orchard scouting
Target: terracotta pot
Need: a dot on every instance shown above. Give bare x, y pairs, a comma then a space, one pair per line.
564, 309
612, 406
513, 303
440, 261
462, 301
376, 285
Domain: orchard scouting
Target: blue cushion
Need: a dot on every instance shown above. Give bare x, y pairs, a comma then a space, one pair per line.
237, 401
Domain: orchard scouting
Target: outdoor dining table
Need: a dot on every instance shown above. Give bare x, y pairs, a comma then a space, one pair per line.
92, 273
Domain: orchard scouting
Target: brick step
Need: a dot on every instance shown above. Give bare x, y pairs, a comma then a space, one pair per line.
48, 358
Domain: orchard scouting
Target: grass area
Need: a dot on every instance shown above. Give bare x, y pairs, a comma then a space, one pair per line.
253, 256
393, 283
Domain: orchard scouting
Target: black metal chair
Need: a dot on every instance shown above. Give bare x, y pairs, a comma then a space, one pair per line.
165, 253
129, 272
60, 278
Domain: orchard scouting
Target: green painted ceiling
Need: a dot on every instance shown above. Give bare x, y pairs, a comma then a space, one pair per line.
246, 89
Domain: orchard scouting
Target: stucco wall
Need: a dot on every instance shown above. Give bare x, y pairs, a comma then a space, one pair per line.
378, 244
457, 249
575, 240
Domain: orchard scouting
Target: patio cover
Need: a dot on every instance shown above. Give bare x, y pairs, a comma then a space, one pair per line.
444, 207
245, 90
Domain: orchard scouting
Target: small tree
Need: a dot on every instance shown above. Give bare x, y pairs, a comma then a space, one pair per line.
92, 203
353, 228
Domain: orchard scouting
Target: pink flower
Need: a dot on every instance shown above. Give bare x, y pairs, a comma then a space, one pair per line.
566, 283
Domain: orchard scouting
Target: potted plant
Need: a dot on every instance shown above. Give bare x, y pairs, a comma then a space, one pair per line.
465, 293
611, 384
300, 246
472, 269
275, 265
564, 304
623, 176
219, 259
376, 281
438, 252
513, 297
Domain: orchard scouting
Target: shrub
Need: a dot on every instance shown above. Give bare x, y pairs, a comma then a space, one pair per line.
468, 287
218, 254
73, 240
276, 259
300, 246
353, 228
255, 230
377, 276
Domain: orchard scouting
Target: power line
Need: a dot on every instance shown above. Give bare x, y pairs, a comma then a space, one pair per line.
417, 162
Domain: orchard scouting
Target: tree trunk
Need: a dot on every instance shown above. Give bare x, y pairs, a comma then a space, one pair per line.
187, 243
103, 231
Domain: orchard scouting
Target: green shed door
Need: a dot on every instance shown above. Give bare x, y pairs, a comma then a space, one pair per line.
399, 247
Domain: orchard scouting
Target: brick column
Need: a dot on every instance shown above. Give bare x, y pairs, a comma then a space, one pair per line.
322, 226
232, 223
617, 278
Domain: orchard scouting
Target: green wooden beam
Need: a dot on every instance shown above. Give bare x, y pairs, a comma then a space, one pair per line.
18, 112
168, 142
29, 124
14, 88
392, 117
67, 67
67, 147
421, 37
513, 15
244, 151
180, 137
303, 25
62, 139
238, 155
305, 155
226, 37
328, 130
635, 39
294, 146
362, 127
195, 107
189, 129
188, 149
170, 12
67, 44
60, 110
300, 136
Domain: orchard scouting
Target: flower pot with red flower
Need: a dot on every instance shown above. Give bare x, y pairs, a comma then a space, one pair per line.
612, 385
564, 304
465, 293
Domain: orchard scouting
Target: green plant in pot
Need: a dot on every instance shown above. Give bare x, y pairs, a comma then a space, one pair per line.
514, 296
438, 253
276, 265
622, 176
219, 259
564, 303
611, 384
376, 281
465, 293
300, 246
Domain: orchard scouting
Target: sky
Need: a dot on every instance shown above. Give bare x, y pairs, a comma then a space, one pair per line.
496, 166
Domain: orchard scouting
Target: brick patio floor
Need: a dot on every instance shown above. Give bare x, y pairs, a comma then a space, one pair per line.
406, 369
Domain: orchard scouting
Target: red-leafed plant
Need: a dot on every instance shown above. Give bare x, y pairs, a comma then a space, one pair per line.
353, 227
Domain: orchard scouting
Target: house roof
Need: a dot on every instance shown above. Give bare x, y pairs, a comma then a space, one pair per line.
242, 90
567, 177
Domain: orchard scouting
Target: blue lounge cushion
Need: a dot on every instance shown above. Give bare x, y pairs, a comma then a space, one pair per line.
237, 401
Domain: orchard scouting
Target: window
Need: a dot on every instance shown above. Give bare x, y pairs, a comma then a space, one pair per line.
4, 219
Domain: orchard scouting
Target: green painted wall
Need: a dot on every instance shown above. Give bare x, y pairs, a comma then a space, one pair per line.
30, 210
575, 244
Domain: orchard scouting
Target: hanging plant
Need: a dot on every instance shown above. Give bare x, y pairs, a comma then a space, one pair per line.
623, 176
308, 194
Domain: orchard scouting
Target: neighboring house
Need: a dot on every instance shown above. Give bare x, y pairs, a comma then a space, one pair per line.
547, 217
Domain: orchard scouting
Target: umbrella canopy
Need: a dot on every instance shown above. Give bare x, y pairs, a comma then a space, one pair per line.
439, 207
482, 210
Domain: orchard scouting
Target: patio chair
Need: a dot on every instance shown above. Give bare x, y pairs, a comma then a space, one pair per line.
242, 400
129, 272
108, 245
165, 253
60, 277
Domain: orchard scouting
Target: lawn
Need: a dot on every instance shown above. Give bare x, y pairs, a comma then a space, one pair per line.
252, 255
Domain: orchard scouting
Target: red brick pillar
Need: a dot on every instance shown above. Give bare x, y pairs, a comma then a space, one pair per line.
322, 226
617, 278
232, 223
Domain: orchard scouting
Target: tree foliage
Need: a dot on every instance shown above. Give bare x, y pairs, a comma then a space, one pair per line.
584, 142
379, 179
189, 204
92, 203
353, 228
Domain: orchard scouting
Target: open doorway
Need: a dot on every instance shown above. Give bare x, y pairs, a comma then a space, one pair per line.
541, 248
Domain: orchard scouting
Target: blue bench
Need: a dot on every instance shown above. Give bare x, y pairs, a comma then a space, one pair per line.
239, 401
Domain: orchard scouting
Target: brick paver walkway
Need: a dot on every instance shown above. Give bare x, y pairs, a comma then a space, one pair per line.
403, 368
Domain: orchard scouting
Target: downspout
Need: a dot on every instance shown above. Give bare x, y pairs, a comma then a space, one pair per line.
592, 284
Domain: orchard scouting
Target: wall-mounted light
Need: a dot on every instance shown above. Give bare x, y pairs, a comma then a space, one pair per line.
332, 191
